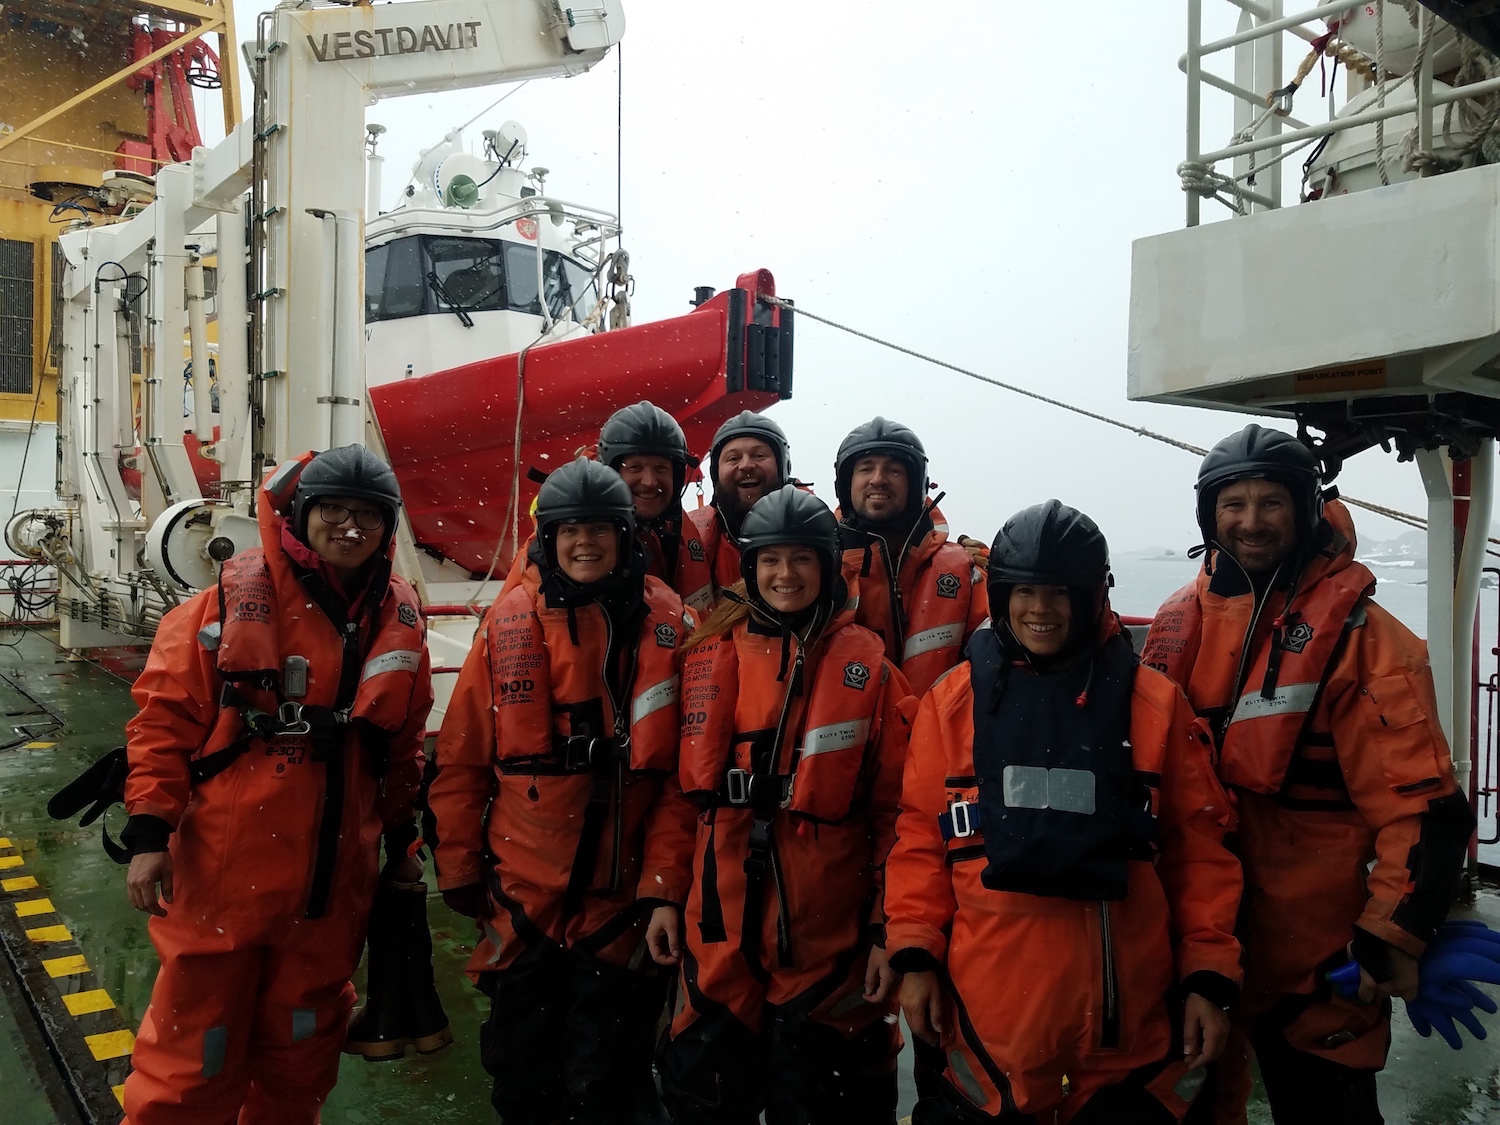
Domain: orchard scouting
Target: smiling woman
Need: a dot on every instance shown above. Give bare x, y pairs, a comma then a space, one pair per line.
345, 534
1059, 811
561, 733
779, 840
1040, 617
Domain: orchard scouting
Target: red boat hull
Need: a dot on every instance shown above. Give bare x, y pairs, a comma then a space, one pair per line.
451, 435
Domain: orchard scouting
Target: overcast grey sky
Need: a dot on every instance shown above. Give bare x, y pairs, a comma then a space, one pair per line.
963, 178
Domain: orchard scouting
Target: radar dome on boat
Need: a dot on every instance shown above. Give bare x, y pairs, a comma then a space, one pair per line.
507, 143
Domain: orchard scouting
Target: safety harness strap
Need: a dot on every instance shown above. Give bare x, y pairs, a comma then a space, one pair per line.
591, 835
711, 923
757, 859
962, 820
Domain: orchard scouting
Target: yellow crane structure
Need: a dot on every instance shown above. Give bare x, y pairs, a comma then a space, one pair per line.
87, 94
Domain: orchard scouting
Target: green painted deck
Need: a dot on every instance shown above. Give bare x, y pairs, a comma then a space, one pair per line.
58, 715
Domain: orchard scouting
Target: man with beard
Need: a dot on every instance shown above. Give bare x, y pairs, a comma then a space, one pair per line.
750, 458
921, 593
1351, 829
646, 446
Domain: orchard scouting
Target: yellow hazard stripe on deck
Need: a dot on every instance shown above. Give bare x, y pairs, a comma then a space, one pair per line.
40, 745
82, 1003
110, 1044
66, 966
100, 1021
50, 933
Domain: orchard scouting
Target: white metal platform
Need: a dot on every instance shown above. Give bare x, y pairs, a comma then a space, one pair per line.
1390, 291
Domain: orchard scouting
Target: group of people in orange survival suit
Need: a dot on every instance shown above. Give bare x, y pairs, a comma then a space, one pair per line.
725, 789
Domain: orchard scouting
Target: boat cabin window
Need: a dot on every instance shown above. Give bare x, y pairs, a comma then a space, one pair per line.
568, 284
570, 287
469, 274
437, 274
375, 258
402, 290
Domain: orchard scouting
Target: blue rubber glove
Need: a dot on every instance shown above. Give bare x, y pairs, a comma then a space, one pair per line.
1427, 1018
1345, 980
1463, 952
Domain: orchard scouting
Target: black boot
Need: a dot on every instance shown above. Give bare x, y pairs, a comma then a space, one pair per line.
379, 1029
427, 1023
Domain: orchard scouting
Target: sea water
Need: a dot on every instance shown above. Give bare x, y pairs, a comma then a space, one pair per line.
1143, 583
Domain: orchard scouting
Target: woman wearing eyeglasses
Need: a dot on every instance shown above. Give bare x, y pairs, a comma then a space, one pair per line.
280, 730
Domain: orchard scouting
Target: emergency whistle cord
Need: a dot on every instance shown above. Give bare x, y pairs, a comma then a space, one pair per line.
1139, 431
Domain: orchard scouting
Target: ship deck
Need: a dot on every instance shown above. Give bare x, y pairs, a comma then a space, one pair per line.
78, 966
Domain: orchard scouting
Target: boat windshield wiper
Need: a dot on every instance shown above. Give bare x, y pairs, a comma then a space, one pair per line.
458, 310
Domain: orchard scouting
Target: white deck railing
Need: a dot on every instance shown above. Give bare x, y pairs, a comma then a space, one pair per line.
1261, 76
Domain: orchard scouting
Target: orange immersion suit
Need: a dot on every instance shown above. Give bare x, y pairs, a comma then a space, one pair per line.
787, 787
928, 611
554, 748
720, 551
1056, 997
687, 569
274, 855
1330, 745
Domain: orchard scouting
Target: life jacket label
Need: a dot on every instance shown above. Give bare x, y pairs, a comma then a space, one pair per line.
1290, 699
941, 636
836, 736
654, 698
397, 660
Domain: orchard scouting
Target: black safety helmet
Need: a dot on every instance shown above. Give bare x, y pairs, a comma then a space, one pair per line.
352, 471
645, 429
747, 423
880, 435
790, 515
1260, 453
1051, 544
584, 491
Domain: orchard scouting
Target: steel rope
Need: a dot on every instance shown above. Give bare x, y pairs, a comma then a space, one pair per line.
1139, 431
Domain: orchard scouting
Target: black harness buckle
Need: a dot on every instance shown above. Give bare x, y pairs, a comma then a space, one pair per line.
292, 721
758, 854
743, 788
580, 752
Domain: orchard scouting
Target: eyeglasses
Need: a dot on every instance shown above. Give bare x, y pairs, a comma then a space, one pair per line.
366, 519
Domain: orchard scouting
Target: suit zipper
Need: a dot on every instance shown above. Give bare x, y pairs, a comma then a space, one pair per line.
1245, 648
622, 751
1110, 1032
898, 607
783, 908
